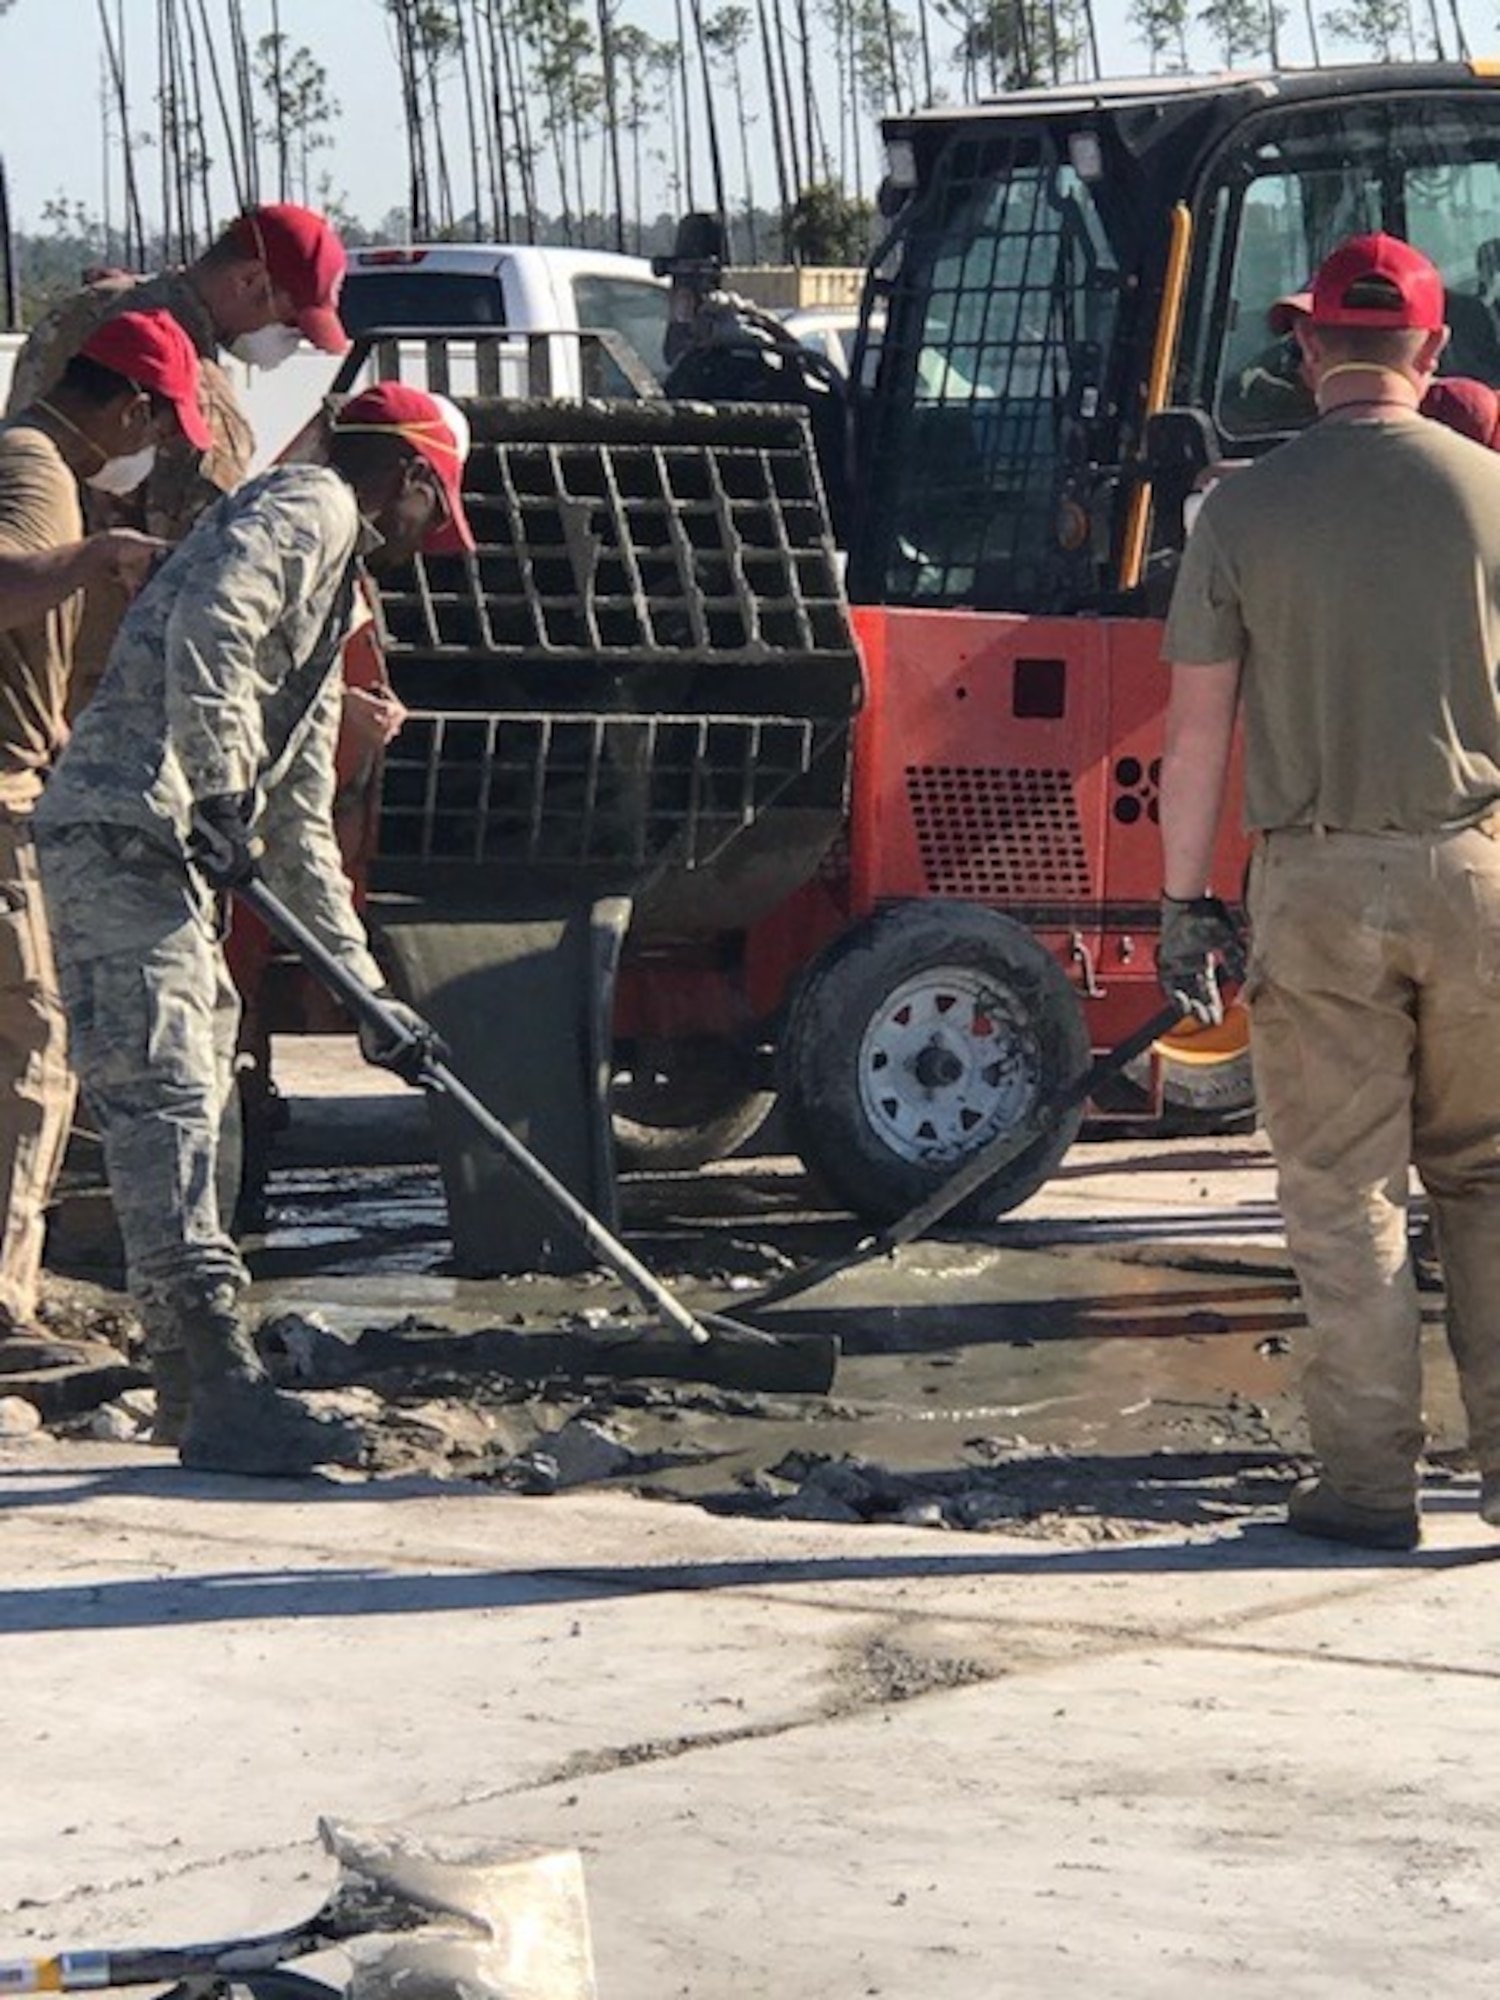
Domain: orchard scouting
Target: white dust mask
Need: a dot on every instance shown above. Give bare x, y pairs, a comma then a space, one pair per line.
267, 347
123, 475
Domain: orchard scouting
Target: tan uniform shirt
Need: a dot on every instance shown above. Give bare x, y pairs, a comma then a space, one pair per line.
183, 482
1355, 572
39, 511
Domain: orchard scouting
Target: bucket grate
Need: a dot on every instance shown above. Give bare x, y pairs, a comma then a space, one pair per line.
586, 789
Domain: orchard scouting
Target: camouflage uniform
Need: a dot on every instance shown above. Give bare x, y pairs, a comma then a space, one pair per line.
182, 482
224, 678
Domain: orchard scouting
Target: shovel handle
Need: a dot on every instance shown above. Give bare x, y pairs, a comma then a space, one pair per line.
982, 1167
428, 1072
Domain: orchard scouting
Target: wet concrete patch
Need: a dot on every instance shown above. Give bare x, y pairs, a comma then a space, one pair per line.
1040, 1377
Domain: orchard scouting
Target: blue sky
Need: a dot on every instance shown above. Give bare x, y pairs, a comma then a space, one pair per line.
50, 90
50, 93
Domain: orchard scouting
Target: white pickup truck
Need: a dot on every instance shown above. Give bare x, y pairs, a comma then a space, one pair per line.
526, 289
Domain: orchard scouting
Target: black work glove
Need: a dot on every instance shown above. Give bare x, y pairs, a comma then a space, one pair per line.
221, 844
1199, 938
404, 1043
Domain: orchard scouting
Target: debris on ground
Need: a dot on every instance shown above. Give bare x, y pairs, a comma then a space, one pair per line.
19, 1417
1070, 1392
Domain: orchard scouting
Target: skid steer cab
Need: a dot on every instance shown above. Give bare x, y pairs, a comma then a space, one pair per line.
1064, 334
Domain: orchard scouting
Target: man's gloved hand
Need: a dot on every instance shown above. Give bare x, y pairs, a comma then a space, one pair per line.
221, 845
406, 1046
1196, 931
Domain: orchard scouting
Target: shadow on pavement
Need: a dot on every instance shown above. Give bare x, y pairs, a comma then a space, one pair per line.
359, 1592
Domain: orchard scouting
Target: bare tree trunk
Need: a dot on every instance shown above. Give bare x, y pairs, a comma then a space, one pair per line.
106, 179
244, 101
778, 147
575, 133
843, 40
637, 195
419, 219
738, 74
809, 101
1092, 35
200, 160
166, 134
471, 124
711, 121
888, 24
1460, 35
855, 122
487, 56
231, 147
612, 116
135, 228
557, 129
794, 156
520, 119
282, 186
924, 28
689, 192
439, 147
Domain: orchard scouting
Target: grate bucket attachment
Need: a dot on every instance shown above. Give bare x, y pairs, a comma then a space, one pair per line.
643, 679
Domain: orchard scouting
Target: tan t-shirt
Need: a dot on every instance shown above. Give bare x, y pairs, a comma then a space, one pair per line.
1355, 572
183, 482
39, 510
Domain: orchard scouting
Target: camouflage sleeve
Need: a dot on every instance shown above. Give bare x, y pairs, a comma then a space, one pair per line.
302, 863
240, 573
184, 483
56, 338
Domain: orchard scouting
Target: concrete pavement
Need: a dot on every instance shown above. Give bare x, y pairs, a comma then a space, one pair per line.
799, 1760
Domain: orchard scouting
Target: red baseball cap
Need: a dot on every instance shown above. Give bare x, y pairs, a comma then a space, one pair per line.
303, 258
1378, 281
1467, 406
151, 351
436, 432
1283, 314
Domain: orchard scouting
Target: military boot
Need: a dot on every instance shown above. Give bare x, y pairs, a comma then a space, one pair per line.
237, 1421
171, 1377
173, 1381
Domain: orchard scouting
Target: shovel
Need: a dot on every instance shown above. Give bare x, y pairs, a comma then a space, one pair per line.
979, 1168
740, 1355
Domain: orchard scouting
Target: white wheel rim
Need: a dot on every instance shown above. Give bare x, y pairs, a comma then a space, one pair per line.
946, 1064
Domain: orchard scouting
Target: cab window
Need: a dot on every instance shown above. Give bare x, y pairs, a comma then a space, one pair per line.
999, 333
1293, 184
630, 307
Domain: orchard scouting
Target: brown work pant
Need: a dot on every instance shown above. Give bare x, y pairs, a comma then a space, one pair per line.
1374, 993
36, 1084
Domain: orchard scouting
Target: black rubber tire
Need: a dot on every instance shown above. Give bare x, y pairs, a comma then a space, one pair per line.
685, 1103
845, 1008
1196, 1100
1217, 1099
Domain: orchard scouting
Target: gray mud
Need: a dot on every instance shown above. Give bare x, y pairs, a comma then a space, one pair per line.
1048, 1386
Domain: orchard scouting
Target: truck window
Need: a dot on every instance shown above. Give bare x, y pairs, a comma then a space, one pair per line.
1294, 182
420, 297
630, 307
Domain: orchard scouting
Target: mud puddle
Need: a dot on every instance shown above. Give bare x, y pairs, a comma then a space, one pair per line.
1028, 1382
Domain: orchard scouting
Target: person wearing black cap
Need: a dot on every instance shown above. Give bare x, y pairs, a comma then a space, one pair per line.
208, 753
270, 279
1346, 588
132, 389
